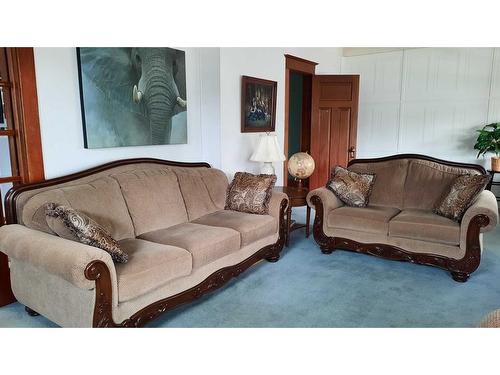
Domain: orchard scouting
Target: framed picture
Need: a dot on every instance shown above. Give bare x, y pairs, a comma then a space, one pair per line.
132, 96
258, 105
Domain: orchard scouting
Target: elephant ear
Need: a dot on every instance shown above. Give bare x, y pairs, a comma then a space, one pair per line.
180, 77
110, 71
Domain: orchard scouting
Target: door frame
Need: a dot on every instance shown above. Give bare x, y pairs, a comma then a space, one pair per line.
293, 64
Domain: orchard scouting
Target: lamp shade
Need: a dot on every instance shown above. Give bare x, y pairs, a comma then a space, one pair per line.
268, 149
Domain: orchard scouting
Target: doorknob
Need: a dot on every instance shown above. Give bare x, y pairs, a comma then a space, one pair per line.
352, 152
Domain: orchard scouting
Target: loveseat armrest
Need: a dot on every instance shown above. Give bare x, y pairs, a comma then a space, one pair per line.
486, 205
64, 258
328, 198
275, 204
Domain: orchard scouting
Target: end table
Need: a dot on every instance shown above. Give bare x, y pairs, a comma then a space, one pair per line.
296, 198
493, 183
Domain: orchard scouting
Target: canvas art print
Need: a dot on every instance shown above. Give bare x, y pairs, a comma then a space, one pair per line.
132, 96
258, 105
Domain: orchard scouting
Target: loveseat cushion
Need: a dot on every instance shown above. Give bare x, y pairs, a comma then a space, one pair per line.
150, 265
205, 243
371, 219
428, 181
424, 225
251, 227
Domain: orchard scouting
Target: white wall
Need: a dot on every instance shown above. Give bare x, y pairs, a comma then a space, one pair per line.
426, 100
214, 97
267, 63
61, 120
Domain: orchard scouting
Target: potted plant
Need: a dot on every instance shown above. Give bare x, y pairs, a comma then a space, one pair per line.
488, 140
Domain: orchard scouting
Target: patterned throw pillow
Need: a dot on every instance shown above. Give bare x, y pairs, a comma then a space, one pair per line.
350, 187
461, 195
250, 193
73, 225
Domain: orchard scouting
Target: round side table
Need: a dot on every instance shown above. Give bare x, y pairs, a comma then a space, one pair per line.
297, 198
493, 183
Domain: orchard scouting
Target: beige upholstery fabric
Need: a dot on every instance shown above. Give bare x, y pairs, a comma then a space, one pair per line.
491, 320
428, 181
275, 204
195, 193
216, 182
175, 286
50, 295
485, 204
153, 198
251, 227
424, 225
64, 258
205, 243
329, 200
100, 199
388, 187
410, 245
150, 265
372, 219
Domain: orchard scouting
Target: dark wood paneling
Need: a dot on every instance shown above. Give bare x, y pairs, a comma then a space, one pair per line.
336, 91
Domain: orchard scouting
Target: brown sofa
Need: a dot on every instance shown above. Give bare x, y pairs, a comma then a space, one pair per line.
398, 223
169, 217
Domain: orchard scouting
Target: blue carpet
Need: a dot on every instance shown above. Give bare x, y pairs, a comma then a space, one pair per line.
309, 289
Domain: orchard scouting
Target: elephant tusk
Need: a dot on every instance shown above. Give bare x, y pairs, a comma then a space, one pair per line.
136, 95
181, 102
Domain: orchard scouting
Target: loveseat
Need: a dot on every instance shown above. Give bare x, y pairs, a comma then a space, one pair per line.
399, 223
168, 217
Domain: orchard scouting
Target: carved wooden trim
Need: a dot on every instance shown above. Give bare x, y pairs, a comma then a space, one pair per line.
12, 194
460, 268
477, 167
103, 310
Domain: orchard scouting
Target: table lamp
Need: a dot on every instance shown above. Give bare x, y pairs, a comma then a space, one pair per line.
267, 151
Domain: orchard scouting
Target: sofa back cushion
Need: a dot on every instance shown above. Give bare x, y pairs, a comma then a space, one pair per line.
203, 191
100, 199
153, 198
428, 181
389, 181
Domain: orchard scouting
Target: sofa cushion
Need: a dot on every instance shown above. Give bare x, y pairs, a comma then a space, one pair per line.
150, 265
195, 193
461, 195
371, 219
99, 199
205, 243
251, 227
250, 193
428, 181
153, 198
424, 225
75, 226
351, 187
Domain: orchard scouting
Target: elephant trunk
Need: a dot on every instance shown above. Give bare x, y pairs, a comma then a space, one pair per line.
160, 96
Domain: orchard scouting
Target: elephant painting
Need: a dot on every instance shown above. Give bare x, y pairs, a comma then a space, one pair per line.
133, 96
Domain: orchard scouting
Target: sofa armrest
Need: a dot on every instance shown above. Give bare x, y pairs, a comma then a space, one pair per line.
328, 198
64, 258
275, 204
485, 204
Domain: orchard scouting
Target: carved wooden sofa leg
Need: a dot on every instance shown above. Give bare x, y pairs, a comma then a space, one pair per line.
460, 269
273, 258
461, 277
30, 311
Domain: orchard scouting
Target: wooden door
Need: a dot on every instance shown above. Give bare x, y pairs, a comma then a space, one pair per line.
334, 117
